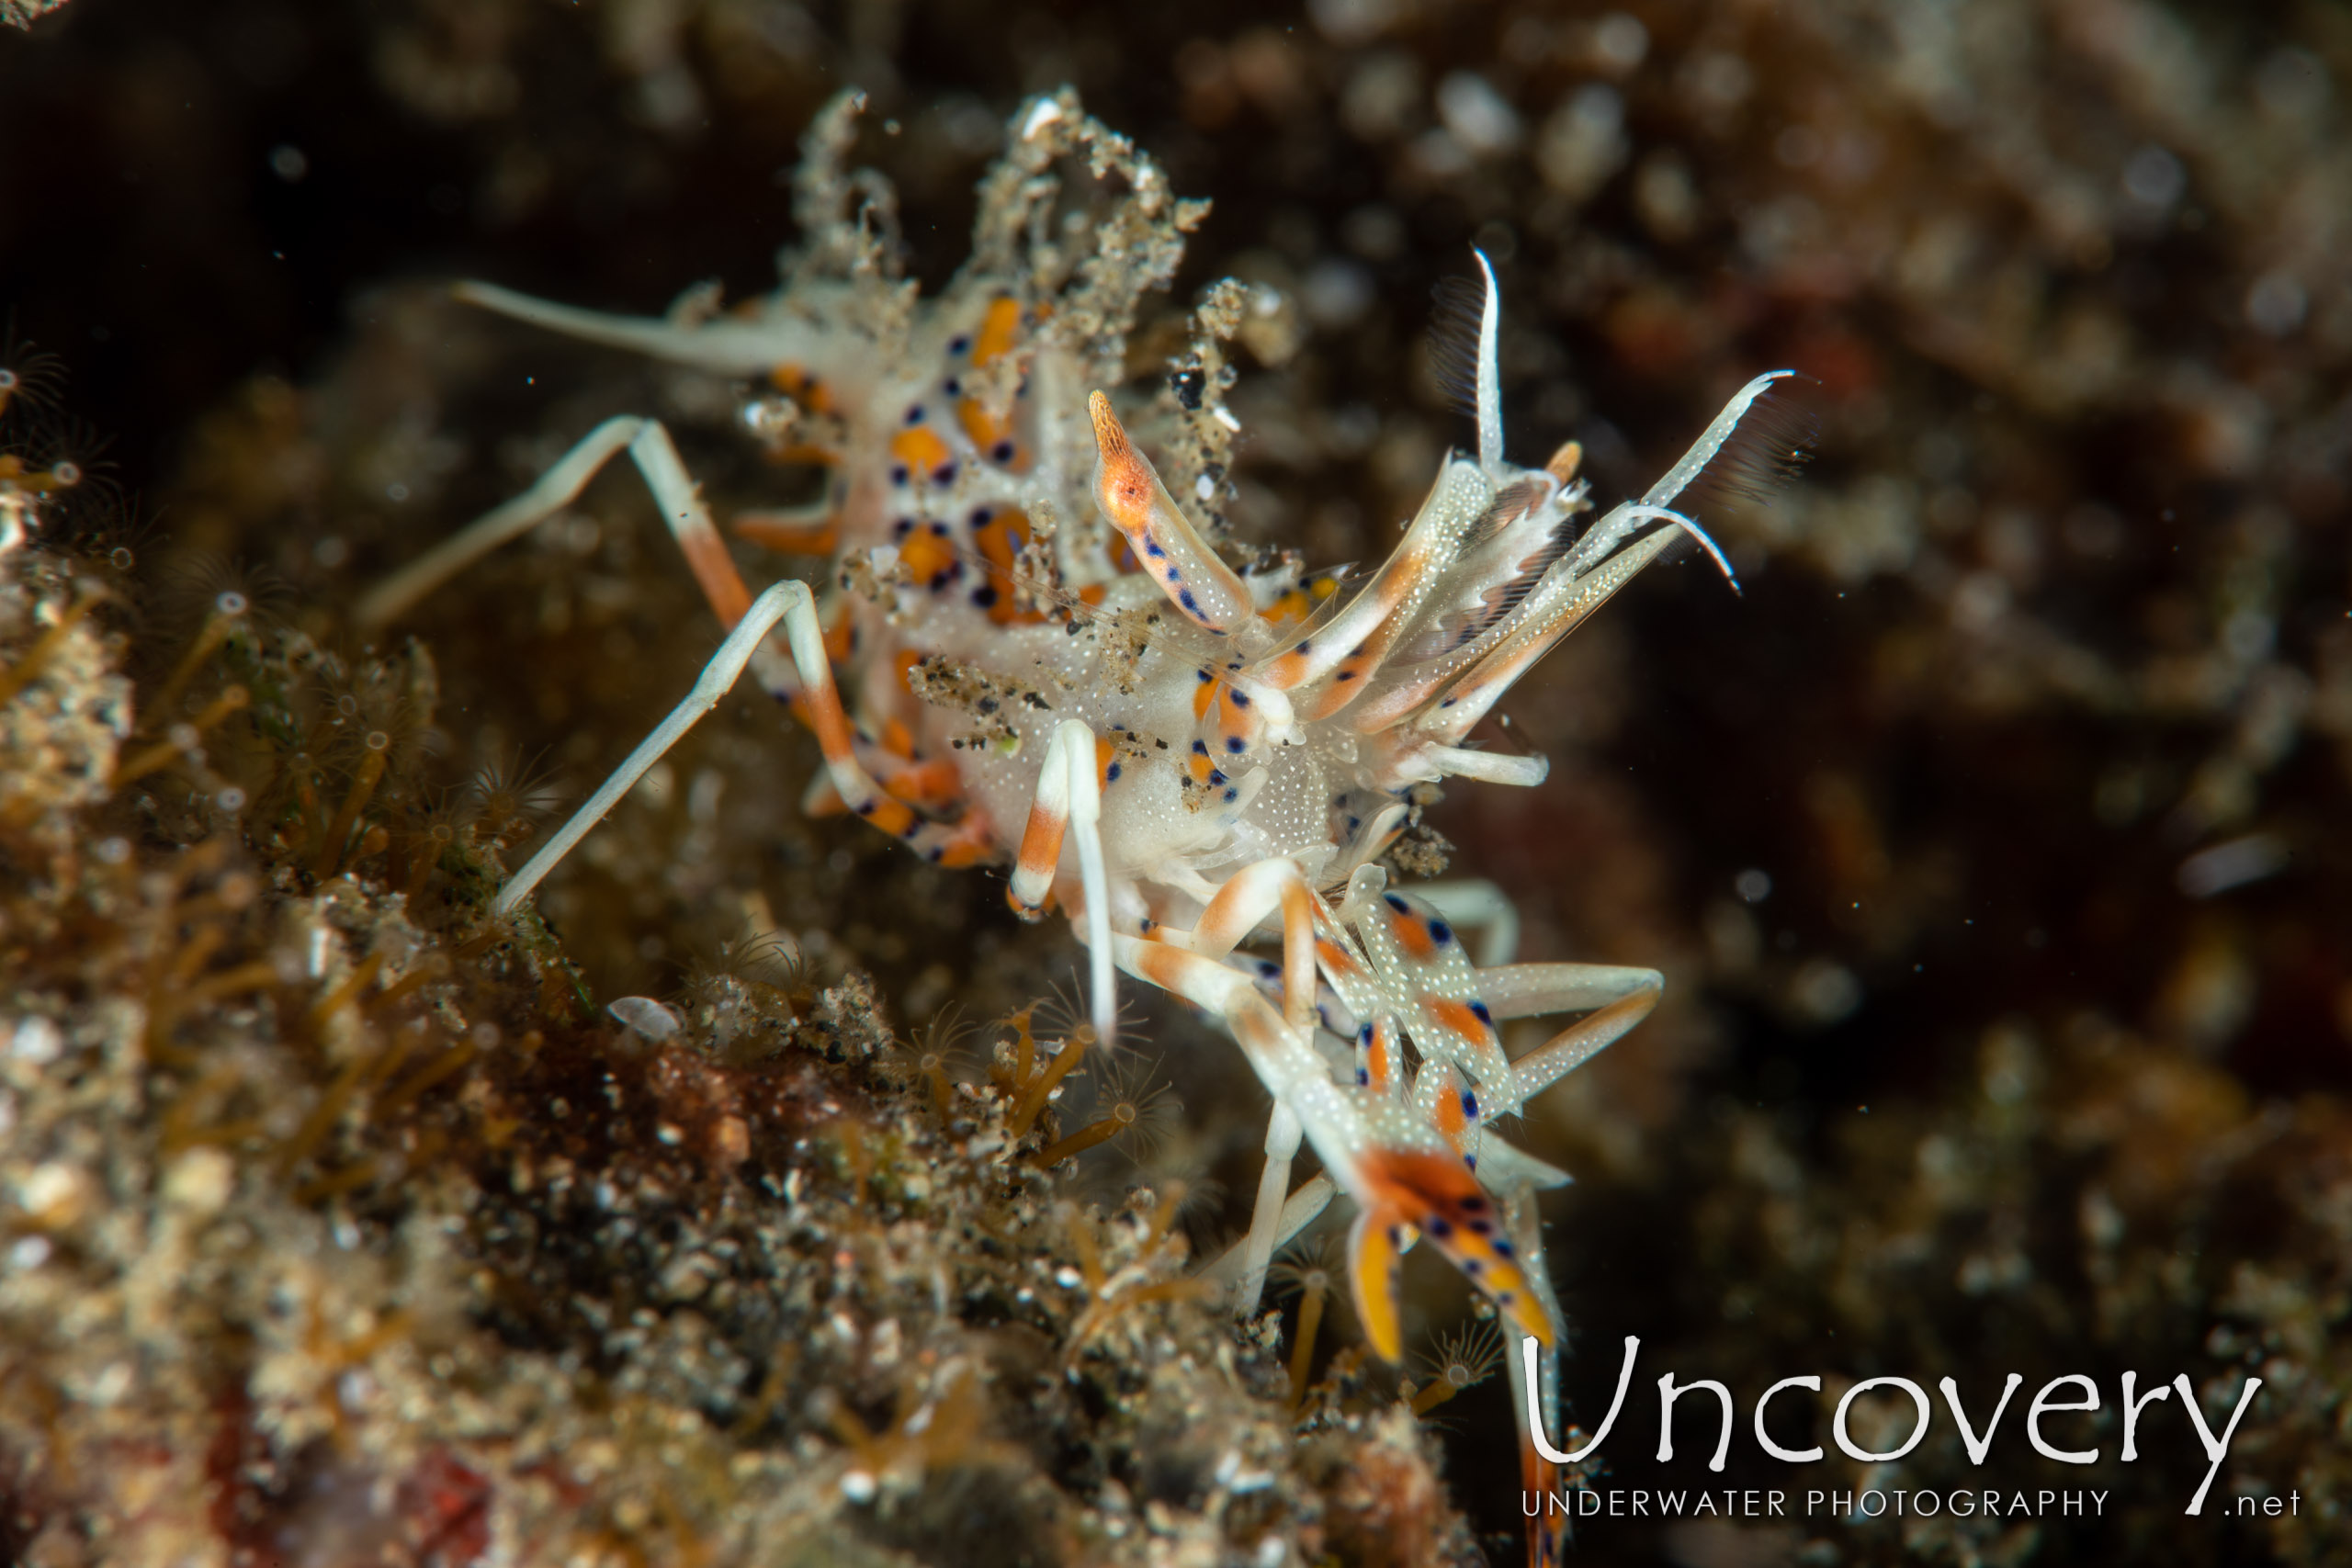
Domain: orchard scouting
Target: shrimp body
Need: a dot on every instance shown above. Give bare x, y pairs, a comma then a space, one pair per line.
1049, 663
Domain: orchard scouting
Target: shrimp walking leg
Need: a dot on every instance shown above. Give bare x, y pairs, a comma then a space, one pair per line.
957, 844
649, 445
1475, 902
1068, 803
1248, 897
1619, 998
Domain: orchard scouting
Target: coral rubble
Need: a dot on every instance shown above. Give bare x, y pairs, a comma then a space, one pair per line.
339, 1227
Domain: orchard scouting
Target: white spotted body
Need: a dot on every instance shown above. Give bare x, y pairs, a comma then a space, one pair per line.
1049, 665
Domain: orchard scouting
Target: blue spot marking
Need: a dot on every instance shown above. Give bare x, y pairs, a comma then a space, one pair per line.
1240, 699
1151, 548
1479, 1227
1504, 1249
1469, 1105
1346, 675
1363, 1078
1234, 744
1470, 1266
1439, 933
1364, 1033
1447, 703
1268, 970
944, 475
1484, 1016
953, 387
1201, 748
959, 344
1203, 675
939, 529
1112, 775
1394, 903
915, 414
1232, 794
1001, 452
1216, 776
1300, 648
1185, 599
1438, 1229
985, 597
897, 473
980, 515
902, 527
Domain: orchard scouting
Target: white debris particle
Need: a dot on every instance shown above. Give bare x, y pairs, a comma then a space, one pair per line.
1480, 117
2232, 864
37, 1040
1044, 112
646, 1017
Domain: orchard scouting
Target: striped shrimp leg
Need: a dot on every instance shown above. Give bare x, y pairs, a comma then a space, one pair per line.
1431, 1190
1378, 1039
1425, 972
1249, 897
1614, 1000
1612, 997
808, 675
1401, 1177
1068, 804
1379, 1073
774, 346
647, 445
1539, 1476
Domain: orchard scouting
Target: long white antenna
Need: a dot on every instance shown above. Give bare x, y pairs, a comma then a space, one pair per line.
1490, 380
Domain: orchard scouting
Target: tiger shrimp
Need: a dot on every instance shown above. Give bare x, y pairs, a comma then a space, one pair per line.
1052, 666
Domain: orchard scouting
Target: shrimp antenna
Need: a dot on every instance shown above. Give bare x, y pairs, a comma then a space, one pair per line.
1706, 544
1463, 333
1490, 380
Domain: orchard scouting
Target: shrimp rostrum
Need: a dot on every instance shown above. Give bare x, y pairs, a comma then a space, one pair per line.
1050, 662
